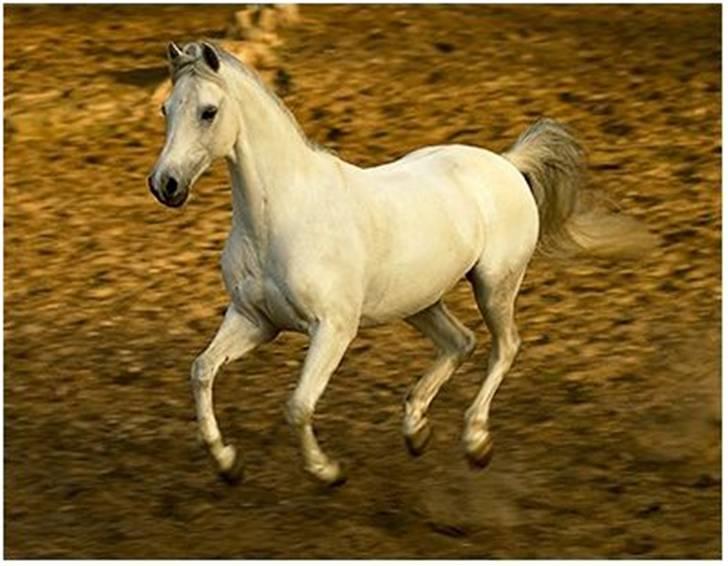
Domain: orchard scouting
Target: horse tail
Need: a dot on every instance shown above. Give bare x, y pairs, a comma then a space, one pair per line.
553, 163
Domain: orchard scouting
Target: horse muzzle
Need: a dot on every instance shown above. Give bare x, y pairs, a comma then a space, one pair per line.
168, 190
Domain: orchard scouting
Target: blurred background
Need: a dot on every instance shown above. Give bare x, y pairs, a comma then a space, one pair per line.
607, 429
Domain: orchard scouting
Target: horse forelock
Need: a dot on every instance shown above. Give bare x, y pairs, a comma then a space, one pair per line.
191, 60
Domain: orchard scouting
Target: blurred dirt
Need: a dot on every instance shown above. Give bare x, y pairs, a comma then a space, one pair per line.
607, 429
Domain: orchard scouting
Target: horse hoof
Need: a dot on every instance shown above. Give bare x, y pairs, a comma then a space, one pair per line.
233, 474
338, 480
480, 456
418, 441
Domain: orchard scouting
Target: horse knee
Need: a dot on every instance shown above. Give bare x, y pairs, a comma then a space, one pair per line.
298, 413
201, 374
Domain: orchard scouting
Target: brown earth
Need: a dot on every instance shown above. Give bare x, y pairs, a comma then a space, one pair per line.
607, 429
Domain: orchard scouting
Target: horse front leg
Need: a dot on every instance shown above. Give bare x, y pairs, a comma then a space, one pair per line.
236, 336
329, 342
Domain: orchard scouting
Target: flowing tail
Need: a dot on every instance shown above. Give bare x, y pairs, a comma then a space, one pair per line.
571, 221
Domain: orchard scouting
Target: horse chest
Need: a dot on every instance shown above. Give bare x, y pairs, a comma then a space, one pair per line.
255, 291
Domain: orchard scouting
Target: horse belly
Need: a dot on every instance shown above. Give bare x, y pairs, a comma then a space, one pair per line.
407, 298
420, 268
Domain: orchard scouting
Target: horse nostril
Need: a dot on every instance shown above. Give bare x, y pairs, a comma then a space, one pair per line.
150, 182
171, 186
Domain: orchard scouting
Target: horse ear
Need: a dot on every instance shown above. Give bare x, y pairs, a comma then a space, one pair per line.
173, 51
210, 55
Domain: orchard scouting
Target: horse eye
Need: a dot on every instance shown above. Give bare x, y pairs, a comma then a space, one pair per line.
209, 113
163, 110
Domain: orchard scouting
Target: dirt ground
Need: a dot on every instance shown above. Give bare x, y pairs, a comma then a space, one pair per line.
607, 429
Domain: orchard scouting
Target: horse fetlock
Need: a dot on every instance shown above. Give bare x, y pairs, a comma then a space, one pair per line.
226, 457
415, 427
478, 443
473, 418
227, 461
327, 471
474, 434
230, 466
480, 452
417, 436
476, 429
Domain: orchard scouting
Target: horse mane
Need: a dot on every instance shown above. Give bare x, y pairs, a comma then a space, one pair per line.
191, 61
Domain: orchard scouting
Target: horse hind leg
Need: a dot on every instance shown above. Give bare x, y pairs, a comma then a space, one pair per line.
455, 343
495, 294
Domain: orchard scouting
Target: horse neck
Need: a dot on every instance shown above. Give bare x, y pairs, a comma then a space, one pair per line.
269, 160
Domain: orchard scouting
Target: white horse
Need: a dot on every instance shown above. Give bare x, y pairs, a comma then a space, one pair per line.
321, 246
